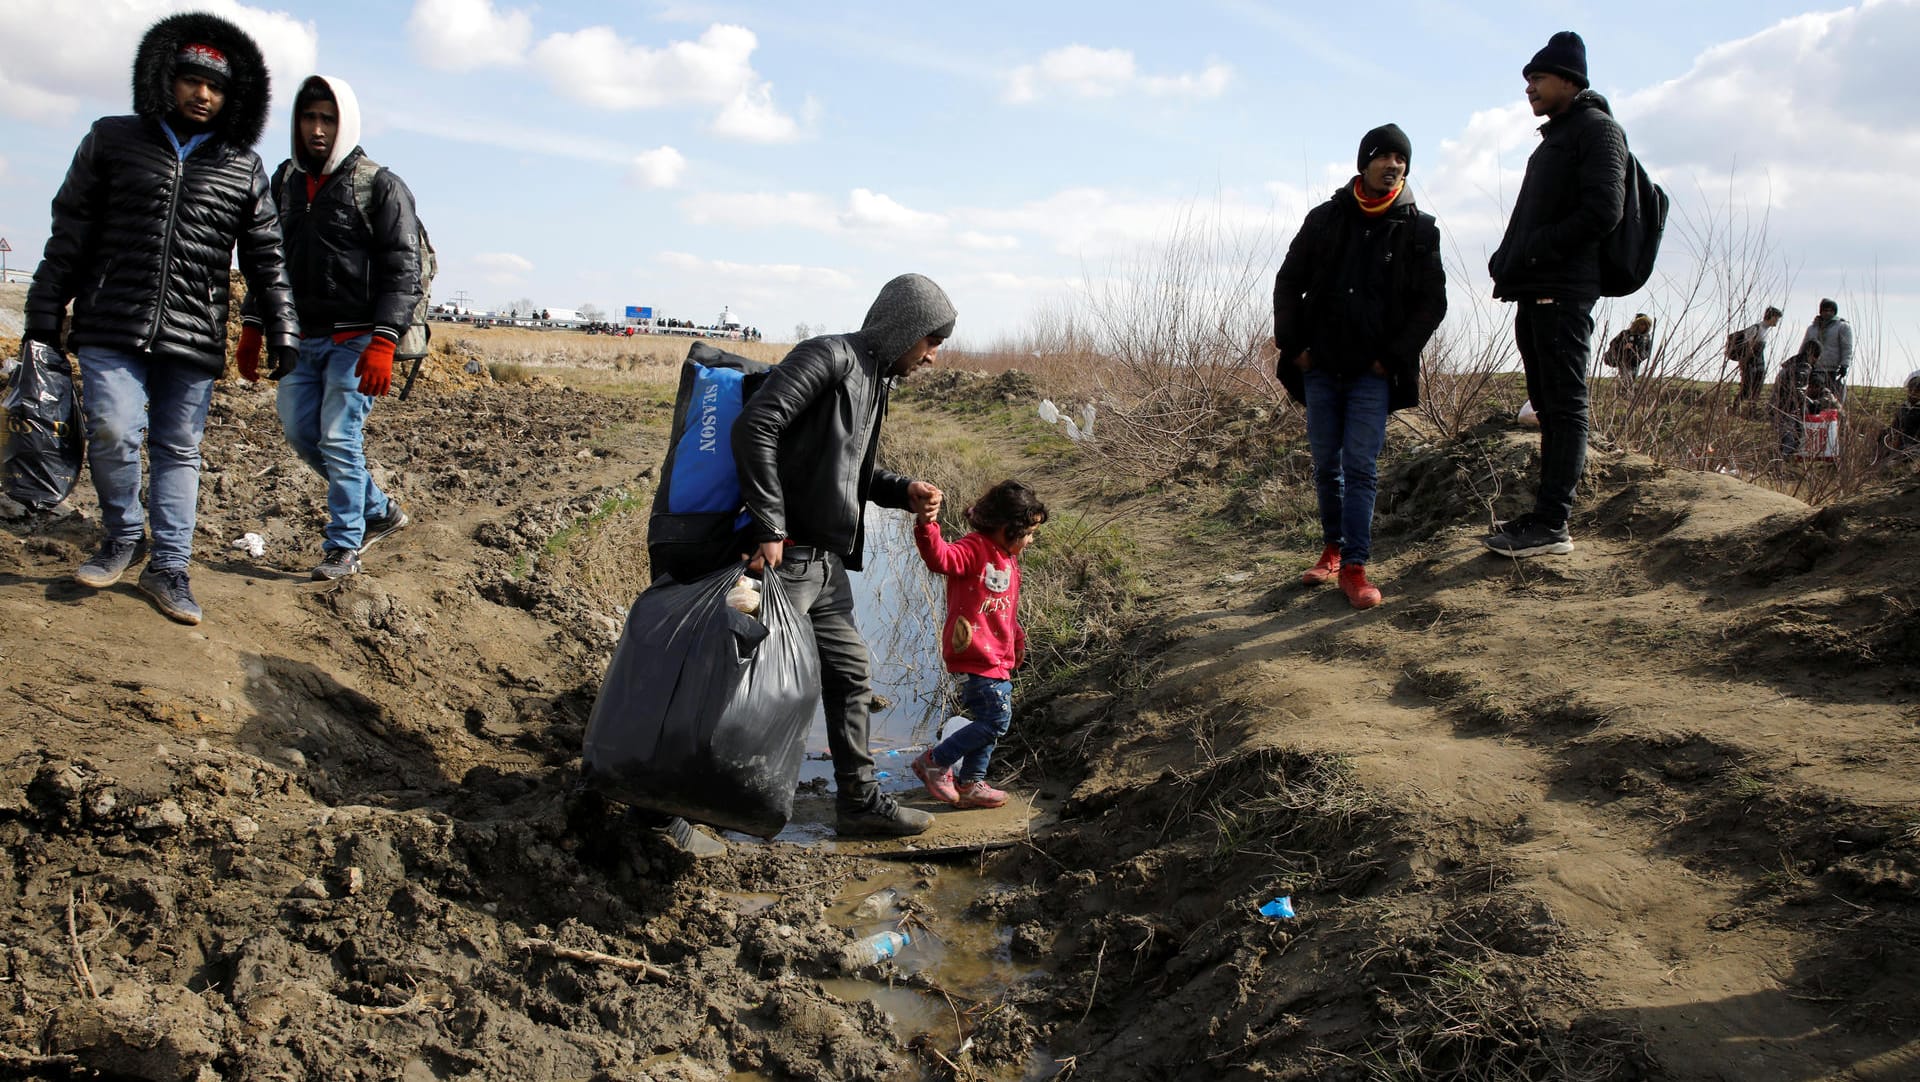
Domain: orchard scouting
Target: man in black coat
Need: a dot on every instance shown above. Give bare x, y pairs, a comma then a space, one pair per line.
1361, 291
805, 447
144, 229
1549, 265
353, 252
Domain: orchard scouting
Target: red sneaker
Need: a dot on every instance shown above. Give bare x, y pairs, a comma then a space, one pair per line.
978, 794
938, 779
1326, 569
1353, 581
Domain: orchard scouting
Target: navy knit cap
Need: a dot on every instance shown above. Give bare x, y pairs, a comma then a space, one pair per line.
1385, 139
1565, 55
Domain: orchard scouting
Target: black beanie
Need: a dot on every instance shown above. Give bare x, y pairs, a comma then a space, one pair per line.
1382, 140
1565, 56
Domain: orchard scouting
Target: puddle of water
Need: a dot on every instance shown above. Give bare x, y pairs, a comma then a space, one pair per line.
898, 604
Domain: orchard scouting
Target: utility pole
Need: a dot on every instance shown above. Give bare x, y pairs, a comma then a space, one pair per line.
4, 249
462, 302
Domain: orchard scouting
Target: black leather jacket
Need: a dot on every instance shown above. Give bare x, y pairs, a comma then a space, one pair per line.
1573, 195
805, 444
1356, 290
351, 271
141, 241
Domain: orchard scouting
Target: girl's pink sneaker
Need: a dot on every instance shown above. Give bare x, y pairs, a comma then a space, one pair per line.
978, 794
938, 779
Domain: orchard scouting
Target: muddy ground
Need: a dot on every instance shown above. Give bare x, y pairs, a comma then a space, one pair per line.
1647, 811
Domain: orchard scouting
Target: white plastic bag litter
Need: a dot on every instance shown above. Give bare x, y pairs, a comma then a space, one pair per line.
1049, 412
252, 544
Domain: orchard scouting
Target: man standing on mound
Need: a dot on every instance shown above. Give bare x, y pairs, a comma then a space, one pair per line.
1548, 264
353, 253
144, 229
805, 447
1360, 292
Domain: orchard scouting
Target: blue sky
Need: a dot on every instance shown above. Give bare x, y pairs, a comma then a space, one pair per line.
785, 160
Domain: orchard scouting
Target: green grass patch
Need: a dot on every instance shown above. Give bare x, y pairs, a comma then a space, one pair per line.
619, 503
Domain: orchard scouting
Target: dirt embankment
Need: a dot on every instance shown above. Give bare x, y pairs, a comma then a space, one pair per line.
1643, 812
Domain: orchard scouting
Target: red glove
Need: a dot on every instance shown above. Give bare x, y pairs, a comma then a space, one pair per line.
248, 353
376, 366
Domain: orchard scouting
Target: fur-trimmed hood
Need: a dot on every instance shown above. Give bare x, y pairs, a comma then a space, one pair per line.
244, 116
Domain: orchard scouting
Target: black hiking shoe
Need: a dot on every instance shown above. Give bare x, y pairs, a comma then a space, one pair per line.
881, 817
385, 525
1533, 538
337, 564
677, 833
170, 593
105, 567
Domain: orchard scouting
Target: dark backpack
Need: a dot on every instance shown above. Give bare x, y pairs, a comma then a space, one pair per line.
416, 337
1627, 254
698, 514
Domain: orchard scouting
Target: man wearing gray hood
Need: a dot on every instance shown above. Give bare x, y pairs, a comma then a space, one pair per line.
805, 445
354, 256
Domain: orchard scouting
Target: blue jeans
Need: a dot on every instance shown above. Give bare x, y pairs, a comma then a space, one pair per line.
989, 703
130, 398
1346, 427
324, 416
1553, 340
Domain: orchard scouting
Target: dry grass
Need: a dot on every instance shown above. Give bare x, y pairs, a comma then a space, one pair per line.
542, 348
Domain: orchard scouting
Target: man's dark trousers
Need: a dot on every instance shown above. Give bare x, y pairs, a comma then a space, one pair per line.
1554, 335
817, 584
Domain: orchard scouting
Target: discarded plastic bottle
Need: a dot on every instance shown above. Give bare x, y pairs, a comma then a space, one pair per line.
877, 904
875, 948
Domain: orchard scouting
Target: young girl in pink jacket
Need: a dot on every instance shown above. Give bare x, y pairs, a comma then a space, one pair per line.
980, 639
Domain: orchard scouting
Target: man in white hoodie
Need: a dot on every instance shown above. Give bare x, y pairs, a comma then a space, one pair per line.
353, 253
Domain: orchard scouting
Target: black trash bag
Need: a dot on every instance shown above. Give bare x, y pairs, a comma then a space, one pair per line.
705, 709
44, 444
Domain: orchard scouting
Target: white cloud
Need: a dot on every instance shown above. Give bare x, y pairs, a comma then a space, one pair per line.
757, 274
502, 267
1085, 72
760, 210
987, 242
751, 117
660, 167
599, 67
463, 35
50, 66
871, 210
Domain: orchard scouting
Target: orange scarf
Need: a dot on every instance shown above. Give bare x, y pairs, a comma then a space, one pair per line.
1374, 208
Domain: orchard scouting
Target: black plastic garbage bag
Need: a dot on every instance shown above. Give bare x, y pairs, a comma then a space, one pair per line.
704, 710
44, 444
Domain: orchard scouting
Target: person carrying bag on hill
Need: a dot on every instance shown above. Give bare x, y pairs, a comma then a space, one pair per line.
804, 447
144, 230
1747, 350
1549, 265
1360, 292
353, 252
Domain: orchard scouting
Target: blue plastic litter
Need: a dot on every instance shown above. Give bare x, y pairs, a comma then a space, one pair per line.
1280, 908
883, 775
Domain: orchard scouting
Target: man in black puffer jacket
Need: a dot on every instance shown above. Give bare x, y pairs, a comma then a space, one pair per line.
144, 229
353, 252
1360, 292
805, 447
1549, 264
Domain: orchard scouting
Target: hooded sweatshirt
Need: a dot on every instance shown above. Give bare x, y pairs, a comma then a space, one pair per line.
352, 237
806, 442
142, 235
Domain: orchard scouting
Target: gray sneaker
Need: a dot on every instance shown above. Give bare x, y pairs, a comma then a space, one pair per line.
385, 525
881, 817
337, 564
171, 594
677, 833
105, 567
1533, 538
